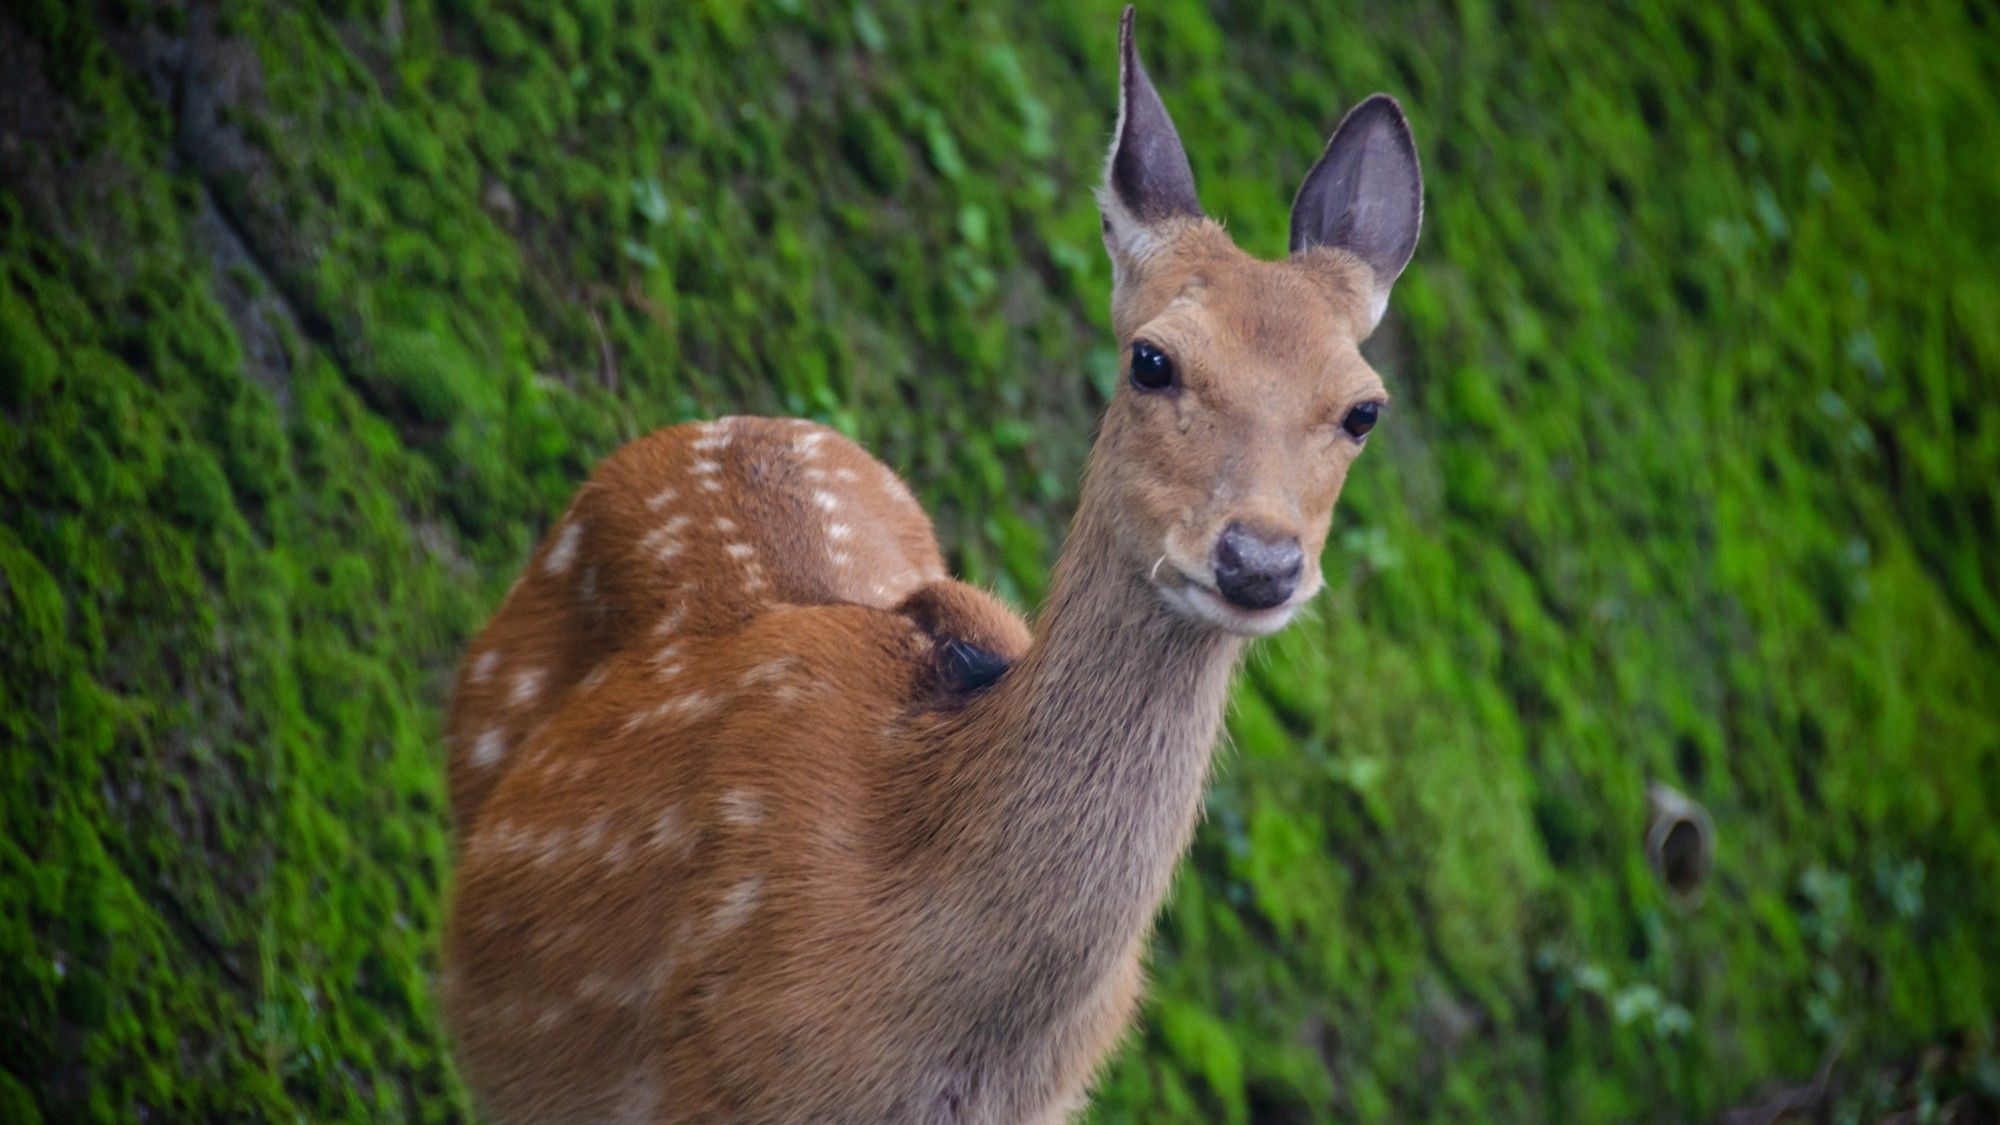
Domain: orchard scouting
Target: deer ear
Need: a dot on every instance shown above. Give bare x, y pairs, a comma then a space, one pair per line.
1146, 178
1366, 194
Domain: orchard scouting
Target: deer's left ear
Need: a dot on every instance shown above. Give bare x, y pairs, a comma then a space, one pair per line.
1147, 179
1365, 196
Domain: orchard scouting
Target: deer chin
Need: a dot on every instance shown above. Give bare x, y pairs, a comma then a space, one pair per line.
1196, 602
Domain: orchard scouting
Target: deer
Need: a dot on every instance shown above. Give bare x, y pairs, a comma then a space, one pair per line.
763, 817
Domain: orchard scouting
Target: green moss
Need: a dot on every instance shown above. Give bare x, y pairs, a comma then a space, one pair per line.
1689, 478
27, 361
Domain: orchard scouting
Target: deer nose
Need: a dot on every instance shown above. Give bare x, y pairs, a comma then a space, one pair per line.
1253, 572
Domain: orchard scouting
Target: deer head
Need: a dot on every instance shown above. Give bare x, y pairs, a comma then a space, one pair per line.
1245, 396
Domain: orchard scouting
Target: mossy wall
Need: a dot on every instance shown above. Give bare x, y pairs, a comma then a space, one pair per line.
311, 317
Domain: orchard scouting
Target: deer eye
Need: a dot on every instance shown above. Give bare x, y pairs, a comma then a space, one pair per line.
1151, 369
1362, 418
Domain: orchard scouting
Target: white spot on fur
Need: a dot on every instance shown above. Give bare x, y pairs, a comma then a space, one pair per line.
814, 475
739, 550
647, 985
693, 705
596, 678
768, 672
839, 558
846, 476
482, 668
662, 541
488, 748
670, 622
638, 1100
744, 810
662, 498
527, 685
737, 903
563, 553
827, 501
499, 838
705, 467
710, 484
838, 531
551, 846
667, 833
591, 836
595, 986
655, 979
724, 524
806, 443
711, 439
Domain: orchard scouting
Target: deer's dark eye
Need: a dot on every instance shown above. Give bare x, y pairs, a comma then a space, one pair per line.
1151, 369
1362, 418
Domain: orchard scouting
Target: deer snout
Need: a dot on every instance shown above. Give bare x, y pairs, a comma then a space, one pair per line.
1254, 570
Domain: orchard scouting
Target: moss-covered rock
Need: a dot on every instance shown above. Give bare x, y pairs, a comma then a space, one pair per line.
311, 317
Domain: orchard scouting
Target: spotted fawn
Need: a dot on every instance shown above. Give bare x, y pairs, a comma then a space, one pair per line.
764, 818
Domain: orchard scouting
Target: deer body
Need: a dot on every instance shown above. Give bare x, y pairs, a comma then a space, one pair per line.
763, 818
769, 767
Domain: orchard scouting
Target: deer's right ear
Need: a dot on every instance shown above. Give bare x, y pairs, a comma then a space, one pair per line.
1146, 178
1366, 195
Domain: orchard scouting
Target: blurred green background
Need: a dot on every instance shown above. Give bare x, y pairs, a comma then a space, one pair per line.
311, 316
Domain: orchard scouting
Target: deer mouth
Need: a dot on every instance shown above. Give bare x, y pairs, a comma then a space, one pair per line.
1205, 605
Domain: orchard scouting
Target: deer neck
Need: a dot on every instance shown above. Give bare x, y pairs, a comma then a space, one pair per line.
1069, 791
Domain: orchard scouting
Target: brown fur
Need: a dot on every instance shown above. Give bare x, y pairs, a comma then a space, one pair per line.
734, 849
